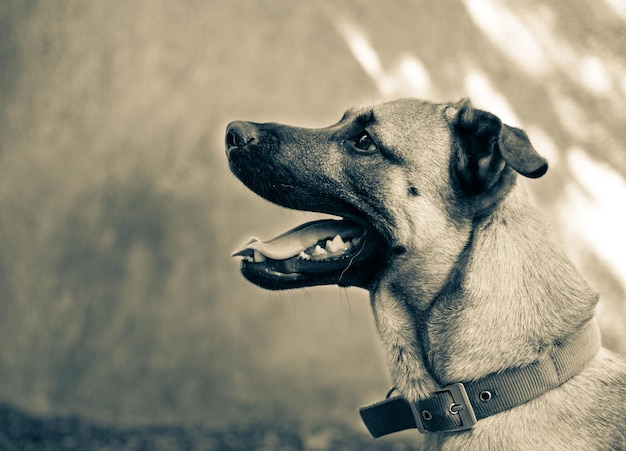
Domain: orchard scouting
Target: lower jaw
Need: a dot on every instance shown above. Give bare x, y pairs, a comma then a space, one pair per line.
348, 270
297, 265
273, 280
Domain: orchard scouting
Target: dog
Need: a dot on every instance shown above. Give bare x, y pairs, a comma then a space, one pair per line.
487, 326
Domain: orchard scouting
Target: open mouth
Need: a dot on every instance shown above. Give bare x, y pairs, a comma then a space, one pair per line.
327, 251
348, 252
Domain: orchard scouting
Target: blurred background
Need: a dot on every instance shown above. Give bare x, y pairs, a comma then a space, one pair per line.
124, 323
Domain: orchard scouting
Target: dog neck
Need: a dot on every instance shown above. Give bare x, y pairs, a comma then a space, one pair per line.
505, 299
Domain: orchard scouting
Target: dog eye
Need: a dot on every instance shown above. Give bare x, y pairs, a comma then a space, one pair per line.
364, 143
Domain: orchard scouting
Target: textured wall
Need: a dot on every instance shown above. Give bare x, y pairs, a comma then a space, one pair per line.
118, 299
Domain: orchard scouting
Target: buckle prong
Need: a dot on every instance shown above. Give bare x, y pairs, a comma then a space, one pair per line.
455, 408
460, 406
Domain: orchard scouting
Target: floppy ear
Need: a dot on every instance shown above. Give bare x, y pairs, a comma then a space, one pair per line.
485, 147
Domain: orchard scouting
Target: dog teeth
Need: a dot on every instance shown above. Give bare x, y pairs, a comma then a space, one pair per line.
319, 250
258, 257
331, 248
335, 245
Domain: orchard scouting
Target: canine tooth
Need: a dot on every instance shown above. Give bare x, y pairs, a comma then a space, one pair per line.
259, 257
318, 250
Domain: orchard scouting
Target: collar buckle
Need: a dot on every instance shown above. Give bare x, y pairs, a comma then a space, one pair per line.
460, 406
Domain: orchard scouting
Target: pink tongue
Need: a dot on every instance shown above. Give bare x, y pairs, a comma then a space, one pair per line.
291, 243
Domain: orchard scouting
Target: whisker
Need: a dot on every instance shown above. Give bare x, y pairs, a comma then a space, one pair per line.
354, 256
345, 291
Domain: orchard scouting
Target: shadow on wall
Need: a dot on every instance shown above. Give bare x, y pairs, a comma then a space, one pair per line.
568, 94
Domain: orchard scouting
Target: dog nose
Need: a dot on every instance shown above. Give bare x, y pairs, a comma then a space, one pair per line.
238, 134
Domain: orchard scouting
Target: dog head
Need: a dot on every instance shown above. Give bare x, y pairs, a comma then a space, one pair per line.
403, 176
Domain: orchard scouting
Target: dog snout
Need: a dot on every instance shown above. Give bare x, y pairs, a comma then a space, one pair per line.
239, 134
